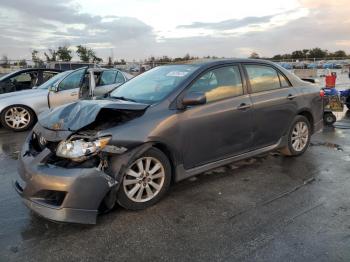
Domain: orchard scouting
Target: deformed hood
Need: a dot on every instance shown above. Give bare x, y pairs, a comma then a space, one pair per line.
75, 116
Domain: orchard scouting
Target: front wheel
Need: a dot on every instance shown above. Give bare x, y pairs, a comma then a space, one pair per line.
298, 137
145, 181
17, 118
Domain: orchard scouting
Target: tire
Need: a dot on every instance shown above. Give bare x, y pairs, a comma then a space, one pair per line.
348, 102
296, 133
18, 118
139, 190
329, 118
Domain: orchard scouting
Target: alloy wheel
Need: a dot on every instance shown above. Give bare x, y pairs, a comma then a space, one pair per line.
300, 136
17, 117
144, 179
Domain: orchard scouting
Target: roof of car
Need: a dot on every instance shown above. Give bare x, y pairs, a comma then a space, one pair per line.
101, 69
38, 69
206, 62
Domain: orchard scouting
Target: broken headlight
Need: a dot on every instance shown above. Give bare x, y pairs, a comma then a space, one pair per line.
80, 149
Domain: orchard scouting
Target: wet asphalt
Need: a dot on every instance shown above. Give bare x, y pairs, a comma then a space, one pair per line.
268, 208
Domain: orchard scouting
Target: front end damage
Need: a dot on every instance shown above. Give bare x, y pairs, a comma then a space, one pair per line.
69, 189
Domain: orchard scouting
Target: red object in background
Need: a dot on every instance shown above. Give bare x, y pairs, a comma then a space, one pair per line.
330, 80
321, 93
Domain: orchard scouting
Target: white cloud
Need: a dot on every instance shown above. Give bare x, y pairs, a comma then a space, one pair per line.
138, 29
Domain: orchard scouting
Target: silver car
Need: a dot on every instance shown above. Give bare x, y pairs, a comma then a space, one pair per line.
19, 110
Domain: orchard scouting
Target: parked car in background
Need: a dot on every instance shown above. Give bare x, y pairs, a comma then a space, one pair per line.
19, 110
65, 66
167, 124
25, 79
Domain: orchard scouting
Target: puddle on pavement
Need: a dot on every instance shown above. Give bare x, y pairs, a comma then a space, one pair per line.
12, 153
328, 145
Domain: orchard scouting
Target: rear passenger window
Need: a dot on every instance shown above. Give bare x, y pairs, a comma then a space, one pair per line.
262, 78
219, 83
120, 78
108, 77
283, 80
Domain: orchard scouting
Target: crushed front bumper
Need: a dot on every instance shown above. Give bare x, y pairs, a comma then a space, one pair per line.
61, 194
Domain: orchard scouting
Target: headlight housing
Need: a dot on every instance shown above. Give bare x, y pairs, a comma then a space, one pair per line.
80, 149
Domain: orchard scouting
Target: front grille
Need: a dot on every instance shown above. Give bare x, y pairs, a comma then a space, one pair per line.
68, 163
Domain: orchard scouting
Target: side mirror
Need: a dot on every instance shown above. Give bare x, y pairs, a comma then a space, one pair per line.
53, 88
194, 98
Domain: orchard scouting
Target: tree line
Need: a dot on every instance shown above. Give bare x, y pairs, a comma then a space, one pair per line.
65, 54
316, 52
88, 55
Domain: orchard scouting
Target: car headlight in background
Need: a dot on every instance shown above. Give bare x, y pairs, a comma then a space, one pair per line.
79, 149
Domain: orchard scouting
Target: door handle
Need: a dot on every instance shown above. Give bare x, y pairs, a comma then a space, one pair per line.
290, 96
243, 106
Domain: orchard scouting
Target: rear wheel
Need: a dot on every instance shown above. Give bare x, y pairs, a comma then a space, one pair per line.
145, 181
329, 118
298, 137
348, 102
17, 118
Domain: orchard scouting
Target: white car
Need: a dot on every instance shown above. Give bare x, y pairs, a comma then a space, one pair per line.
19, 110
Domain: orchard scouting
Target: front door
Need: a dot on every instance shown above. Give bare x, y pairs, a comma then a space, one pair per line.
222, 127
68, 89
274, 103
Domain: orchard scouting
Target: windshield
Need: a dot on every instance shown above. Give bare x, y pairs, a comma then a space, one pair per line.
154, 85
53, 80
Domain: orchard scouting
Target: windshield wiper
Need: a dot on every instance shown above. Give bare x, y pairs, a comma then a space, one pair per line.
123, 98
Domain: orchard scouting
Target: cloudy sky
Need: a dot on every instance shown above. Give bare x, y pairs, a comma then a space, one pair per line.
137, 29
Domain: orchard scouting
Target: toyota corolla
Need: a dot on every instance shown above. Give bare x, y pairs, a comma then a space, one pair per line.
163, 126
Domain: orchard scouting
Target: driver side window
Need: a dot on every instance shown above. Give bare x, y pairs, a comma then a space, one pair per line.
219, 84
72, 81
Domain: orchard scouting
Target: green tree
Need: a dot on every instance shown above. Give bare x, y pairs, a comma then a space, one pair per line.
254, 55
83, 53
87, 55
4, 61
277, 57
305, 52
317, 53
51, 57
64, 53
22, 63
339, 54
297, 54
96, 59
36, 60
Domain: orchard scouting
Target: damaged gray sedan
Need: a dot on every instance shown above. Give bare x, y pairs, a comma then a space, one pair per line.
165, 125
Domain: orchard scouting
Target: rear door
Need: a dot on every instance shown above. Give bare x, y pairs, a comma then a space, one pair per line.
68, 89
274, 103
222, 127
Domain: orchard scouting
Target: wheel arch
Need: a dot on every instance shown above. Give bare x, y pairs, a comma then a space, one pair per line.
170, 155
306, 113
